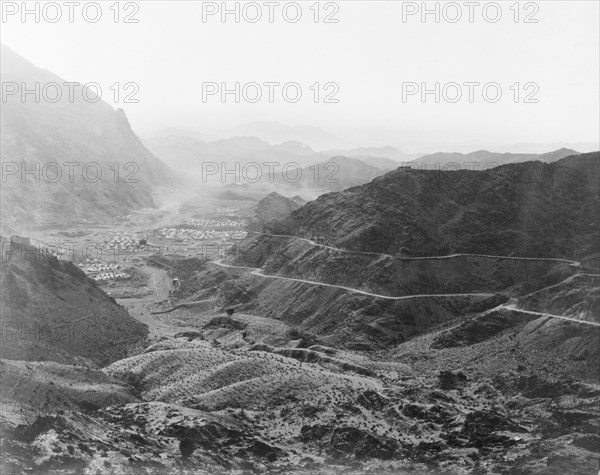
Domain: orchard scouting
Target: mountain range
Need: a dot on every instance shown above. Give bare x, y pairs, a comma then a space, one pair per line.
483, 159
312, 351
188, 153
111, 172
276, 133
525, 209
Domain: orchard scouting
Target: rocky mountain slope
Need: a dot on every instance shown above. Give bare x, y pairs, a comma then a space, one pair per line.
52, 312
337, 283
111, 172
250, 393
326, 360
530, 209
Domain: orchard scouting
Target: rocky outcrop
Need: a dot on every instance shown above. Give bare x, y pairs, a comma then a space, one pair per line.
345, 442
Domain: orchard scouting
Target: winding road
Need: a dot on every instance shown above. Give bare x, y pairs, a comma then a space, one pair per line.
259, 272
449, 256
549, 315
139, 307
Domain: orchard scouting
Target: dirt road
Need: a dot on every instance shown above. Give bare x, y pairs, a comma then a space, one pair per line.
141, 308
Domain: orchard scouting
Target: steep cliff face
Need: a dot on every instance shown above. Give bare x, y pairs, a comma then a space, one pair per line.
84, 160
530, 209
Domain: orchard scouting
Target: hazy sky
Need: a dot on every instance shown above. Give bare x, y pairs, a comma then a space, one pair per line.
369, 53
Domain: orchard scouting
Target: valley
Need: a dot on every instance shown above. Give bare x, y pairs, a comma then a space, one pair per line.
386, 313
271, 353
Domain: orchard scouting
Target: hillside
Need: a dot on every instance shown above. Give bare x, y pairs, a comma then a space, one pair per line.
272, 208
335, 174
92, 135
483, 159
347, 266
302, 355
52, 312
530, 209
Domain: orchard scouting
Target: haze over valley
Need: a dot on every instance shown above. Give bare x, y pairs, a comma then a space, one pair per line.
192, 288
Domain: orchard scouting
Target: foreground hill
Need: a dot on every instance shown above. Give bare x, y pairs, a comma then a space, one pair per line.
88, 134
194, 404
52, 311
529, 209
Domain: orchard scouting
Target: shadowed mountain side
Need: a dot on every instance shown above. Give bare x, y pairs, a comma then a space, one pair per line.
393, 275
52, 311
529, 209
339, 317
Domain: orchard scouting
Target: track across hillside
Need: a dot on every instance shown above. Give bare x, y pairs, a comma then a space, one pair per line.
449, 256
549, 315
259, 273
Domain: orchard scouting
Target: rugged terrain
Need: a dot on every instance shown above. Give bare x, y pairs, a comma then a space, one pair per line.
52, 312
529, 209
326, 345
